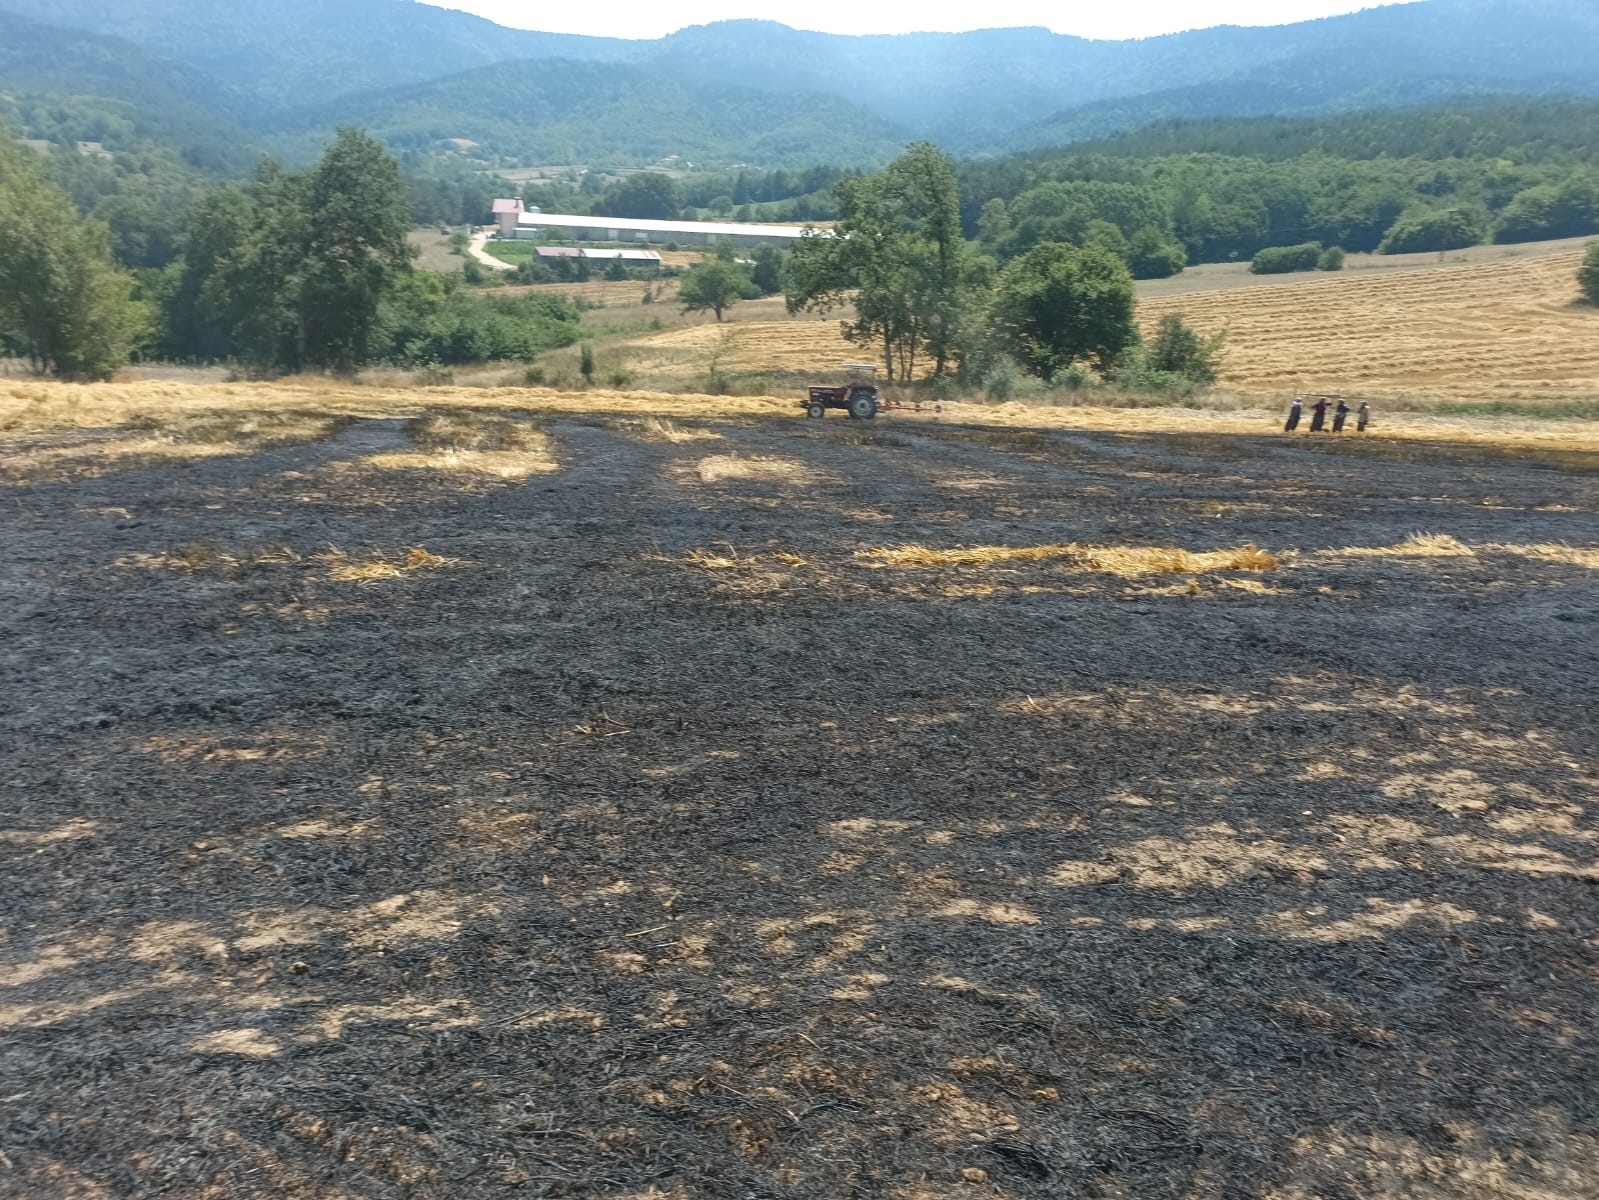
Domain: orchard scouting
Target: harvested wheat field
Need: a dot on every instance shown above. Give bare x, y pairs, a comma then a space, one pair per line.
1507, 330
457, 795
787, 347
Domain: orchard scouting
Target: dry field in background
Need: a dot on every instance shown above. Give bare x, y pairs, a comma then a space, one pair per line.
472, 793
1509, 328
1209, 277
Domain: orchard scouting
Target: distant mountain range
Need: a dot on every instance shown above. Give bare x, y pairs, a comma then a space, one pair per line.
284, 74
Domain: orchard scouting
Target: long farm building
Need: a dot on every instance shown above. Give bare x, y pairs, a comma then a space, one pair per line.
516, 222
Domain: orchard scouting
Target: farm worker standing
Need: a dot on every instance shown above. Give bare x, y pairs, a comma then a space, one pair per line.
1363, 417
1340, 415
1318, 415
1294, 409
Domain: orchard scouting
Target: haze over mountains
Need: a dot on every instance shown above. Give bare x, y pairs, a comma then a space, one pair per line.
283, 75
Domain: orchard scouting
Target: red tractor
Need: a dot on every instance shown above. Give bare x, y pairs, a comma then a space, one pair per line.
858, 397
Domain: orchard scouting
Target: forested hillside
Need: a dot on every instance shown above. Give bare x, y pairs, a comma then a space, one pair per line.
1506, 170
558, 111
290, 53
756, 92
143, 105
1403, 55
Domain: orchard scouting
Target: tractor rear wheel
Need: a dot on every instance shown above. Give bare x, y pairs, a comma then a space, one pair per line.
863, 407
815, 409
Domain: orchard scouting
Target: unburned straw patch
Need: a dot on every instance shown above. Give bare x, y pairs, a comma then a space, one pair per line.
1126, 561
472, 443
1417, 545
372, 568
155, 441
662, 429
723, 468
1443, 545
234, 565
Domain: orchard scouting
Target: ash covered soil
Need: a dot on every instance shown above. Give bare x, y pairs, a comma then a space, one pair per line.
640, 834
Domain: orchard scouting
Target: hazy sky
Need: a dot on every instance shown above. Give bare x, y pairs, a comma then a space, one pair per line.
1086, 18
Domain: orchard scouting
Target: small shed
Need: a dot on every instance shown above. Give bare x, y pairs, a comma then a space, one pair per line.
642, 258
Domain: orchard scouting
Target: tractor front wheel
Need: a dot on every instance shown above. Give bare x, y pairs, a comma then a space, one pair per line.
815, 409
863, 408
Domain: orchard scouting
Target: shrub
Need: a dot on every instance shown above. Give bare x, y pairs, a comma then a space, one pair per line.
1180, 351
585, 362
1280, 260
1057, 305
1439, 229
1547, 211
1001, 378
1588, 273
1153, 255
433, 319
1135, 370
1332, 259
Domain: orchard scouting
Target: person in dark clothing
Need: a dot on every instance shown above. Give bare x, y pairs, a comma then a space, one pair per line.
1363, 417
1340, 415
1294, 411
1318, 415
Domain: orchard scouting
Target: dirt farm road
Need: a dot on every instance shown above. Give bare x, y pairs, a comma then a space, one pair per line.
477, 248
653, 834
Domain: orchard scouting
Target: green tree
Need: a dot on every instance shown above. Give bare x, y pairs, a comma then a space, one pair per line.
1547, 211
864, 260
254, 287
1058, 305
191, 326
1530, 216
355, 250
897, 254
715, 286
294, 268
1588, 273
63, 302
1437, 229
1179, 350
1332, 259
767, 274
585, 362
615, 270
923, 183
1154, 254
649, 195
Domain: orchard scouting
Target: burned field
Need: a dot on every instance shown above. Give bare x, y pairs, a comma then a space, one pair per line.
609, 807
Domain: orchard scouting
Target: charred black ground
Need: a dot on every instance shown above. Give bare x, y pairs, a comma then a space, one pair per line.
636, 835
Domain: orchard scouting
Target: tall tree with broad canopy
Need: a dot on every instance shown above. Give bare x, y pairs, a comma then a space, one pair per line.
897, 251
289, 272
355, 249
64, 305
1057, 305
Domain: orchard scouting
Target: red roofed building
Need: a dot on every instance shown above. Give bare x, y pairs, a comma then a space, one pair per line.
506, 213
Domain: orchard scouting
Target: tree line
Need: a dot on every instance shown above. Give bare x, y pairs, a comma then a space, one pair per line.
921, 295
288, 271
1216, 191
